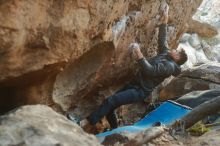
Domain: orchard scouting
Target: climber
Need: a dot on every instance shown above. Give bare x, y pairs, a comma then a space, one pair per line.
151, 73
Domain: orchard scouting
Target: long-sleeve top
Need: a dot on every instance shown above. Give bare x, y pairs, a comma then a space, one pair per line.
153, 71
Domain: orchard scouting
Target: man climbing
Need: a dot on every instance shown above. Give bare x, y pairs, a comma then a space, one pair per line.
151, 73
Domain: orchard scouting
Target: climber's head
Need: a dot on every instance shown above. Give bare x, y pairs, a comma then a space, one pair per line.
179, 56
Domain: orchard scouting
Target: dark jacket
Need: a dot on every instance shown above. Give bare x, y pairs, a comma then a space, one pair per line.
156, 69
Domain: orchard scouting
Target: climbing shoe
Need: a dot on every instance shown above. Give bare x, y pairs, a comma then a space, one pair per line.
73, 117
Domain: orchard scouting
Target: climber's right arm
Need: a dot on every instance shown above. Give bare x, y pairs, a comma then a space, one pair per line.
162, 37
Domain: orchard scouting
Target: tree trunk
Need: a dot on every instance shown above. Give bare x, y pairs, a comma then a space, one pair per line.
207, 108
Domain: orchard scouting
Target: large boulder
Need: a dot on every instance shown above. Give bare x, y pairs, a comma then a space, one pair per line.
86, 39
37, 34
39, 125
203, 77
109, 67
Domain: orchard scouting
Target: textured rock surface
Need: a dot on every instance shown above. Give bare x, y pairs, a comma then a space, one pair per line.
110, 64
38, 33
39, 125
156, 136
87, 40
195, 98
202, 77
209, 13
202, 45
209, 139
134, 139
76, 52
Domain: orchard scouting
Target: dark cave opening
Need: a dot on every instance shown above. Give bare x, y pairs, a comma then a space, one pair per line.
9, 99
32, 88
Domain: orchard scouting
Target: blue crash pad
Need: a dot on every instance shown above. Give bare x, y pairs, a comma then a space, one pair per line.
166, 114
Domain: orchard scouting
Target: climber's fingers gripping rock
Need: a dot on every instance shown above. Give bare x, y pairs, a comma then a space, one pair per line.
164, 13
135, 51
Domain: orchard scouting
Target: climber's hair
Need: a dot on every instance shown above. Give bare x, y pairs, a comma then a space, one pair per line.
183, 57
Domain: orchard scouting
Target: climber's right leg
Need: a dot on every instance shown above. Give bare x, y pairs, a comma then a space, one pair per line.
131, 95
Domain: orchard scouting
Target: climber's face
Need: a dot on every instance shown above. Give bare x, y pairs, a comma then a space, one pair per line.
174, 54
180, 56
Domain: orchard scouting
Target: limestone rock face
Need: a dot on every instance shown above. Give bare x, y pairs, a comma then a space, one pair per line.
86, 39
39, 125
109, 63
202, 77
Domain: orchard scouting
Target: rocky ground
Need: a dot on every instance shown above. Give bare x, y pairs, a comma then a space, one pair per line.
59, 56
39, 125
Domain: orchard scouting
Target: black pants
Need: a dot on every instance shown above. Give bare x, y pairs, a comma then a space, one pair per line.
127, 95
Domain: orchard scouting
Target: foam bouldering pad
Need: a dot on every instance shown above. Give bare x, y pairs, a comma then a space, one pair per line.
166, 114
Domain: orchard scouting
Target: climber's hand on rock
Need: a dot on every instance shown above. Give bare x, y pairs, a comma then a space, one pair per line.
138, 53
164, 13
135, 49
133, 46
